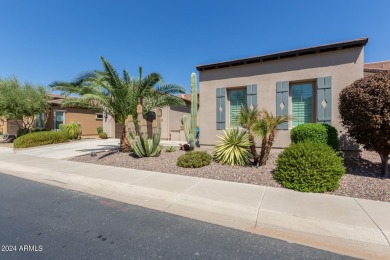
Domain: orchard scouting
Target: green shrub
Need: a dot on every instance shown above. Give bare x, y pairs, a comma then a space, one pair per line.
99, 130
170, 149
103, 135
234, 149
73, 130
315, 132
21, 132
309, 166
40, 138
194, 159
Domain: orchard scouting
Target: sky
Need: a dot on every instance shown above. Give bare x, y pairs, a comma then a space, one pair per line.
42, 41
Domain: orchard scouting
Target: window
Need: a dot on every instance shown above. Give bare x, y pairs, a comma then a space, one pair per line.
39, 121
59, 118
237, 99
302, 103
99, 116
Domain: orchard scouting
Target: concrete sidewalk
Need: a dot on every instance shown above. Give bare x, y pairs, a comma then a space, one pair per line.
343, 225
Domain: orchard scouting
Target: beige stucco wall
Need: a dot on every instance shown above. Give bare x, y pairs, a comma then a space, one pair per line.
86, 119
344, 66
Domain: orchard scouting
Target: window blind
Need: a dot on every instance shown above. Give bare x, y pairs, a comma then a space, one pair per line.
302, 103
237, 100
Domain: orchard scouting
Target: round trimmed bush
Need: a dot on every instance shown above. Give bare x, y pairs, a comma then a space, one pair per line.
40, 138
194, 159
310, 167
315, 132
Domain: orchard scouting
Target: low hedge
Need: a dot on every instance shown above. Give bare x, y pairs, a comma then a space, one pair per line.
310, 167
194, 159
40, 138
315, 132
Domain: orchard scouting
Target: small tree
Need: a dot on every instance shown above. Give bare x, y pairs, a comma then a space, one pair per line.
248, 118
22, 102
265, 127
364, 108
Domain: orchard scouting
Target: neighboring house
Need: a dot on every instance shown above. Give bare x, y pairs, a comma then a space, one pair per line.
89, 120
171, 124
304, 83
375, 67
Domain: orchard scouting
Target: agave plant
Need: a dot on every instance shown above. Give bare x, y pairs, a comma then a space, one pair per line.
234, 149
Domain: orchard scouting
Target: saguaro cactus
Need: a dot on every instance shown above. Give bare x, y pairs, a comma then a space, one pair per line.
143, 146
190, 128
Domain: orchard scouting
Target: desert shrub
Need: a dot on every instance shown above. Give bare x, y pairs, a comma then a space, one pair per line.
40, 138
315, 132
234, 149
99, 129
170, 149
309, 166
72, 130
103, 135
194, 159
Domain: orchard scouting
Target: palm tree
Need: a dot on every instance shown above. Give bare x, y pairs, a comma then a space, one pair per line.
265, 127
118, 97
248, 117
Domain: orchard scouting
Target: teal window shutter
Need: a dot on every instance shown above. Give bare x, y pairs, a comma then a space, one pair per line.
251, 96
221, 109
282, 102
324, 100
237, 98
302, 103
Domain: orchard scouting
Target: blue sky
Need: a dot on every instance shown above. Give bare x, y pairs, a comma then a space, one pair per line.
45, 40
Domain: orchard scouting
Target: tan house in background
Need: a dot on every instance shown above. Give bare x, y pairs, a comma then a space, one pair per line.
375, 67
304, 83
89, 120
171, 124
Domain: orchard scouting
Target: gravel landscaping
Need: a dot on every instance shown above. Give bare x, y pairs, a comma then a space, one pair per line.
361, 181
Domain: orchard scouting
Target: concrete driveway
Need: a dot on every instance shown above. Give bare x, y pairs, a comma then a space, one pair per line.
74, 148
71, 149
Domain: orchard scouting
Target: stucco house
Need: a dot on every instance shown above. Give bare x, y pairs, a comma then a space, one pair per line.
304, 83
89, 120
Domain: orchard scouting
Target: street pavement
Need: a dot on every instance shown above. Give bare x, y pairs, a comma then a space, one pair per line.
39, 221
349, 226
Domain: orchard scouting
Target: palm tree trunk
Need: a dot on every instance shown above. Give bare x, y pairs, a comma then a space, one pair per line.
124, 144
267, 149
385, 165
253, 149
263, 148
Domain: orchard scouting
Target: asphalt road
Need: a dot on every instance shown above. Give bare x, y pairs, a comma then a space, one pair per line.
39, 221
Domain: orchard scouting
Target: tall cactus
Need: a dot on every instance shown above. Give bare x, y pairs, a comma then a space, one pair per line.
143, 146
190, 130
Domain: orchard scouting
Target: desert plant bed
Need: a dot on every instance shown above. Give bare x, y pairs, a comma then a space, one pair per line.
362, 179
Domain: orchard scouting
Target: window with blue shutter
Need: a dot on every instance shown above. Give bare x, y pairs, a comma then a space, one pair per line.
220, 109
237, 99
302, 103
282, 102
324, 100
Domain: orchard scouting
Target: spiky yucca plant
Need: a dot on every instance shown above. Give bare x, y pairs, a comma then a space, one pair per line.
234, 149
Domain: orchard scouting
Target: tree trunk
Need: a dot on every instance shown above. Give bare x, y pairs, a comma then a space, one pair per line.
264, 155
124, 144
385, 166
253, 149
262, 152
